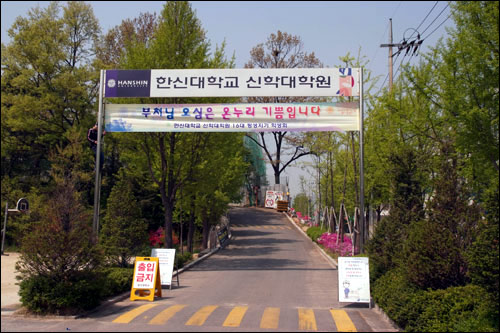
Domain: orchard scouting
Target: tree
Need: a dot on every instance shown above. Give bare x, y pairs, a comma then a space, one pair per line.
223, 176
436, 247
113, 46
48, 86
58, 257
301, 203
124, 231
281, 50
482, 255
386, 246
466, 68
179, 42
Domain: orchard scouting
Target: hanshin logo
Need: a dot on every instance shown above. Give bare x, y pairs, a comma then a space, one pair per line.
111, 83
133, 83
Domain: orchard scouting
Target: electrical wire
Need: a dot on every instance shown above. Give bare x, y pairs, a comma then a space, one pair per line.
438, 26
425, 18
435, 19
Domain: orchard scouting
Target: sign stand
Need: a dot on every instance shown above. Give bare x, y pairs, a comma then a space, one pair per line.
166, 259
354, 280
146, 283
176, 275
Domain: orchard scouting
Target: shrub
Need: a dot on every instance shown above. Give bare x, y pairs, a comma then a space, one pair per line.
393, 293
315, 232
329, 241
456, 309
44, 295
433, 259
117, 280
182, 258
157, 238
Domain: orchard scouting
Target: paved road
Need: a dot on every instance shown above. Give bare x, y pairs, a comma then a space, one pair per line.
270, 277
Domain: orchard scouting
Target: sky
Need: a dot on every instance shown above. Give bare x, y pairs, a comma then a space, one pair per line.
330, 29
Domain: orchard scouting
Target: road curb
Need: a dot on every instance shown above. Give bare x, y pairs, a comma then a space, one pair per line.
332, 261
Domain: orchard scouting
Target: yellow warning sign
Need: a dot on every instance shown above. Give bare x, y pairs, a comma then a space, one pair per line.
146, 283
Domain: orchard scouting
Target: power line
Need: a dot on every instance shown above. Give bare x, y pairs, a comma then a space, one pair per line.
438, 26
425, 18
415, 44
435, 19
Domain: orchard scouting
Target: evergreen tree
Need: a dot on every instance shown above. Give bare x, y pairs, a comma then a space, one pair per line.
386, 246
124, 232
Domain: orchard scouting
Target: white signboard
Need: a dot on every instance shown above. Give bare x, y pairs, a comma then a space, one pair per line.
166, 258
232, 82
145, 275
272, 198
354, 279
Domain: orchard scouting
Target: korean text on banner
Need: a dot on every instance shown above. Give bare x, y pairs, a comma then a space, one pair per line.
232, 82
232, 117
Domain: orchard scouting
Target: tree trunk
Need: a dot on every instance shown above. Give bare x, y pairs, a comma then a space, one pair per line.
191, 227
170, 195
331, 179
276, 177
206, 230
168, 216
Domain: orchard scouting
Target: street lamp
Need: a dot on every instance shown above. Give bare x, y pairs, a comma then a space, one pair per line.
22, 206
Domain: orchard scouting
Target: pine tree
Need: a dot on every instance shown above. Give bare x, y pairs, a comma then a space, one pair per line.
124, 232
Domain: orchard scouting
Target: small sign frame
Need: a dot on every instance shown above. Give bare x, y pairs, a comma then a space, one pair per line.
146, 282
354, 280
166, 259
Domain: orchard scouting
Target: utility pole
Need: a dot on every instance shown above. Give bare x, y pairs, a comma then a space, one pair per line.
405, 45
390, 46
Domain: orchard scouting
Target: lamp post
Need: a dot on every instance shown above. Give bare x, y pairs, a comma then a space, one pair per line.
22, 206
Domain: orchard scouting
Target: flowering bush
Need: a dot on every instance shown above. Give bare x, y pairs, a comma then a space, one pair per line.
157, 238
329, 241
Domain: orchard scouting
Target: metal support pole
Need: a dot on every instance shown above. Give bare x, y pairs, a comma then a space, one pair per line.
391, 75
5, 224
361, 165
97, 190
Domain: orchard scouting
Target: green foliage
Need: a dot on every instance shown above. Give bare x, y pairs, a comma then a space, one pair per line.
182, 259
432, 258
116, 280
44, 295
483, 255
124, 232
315, 232
393, 293
47, 86
60, 245
386, 246
456, 309
301, 203
469, 71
